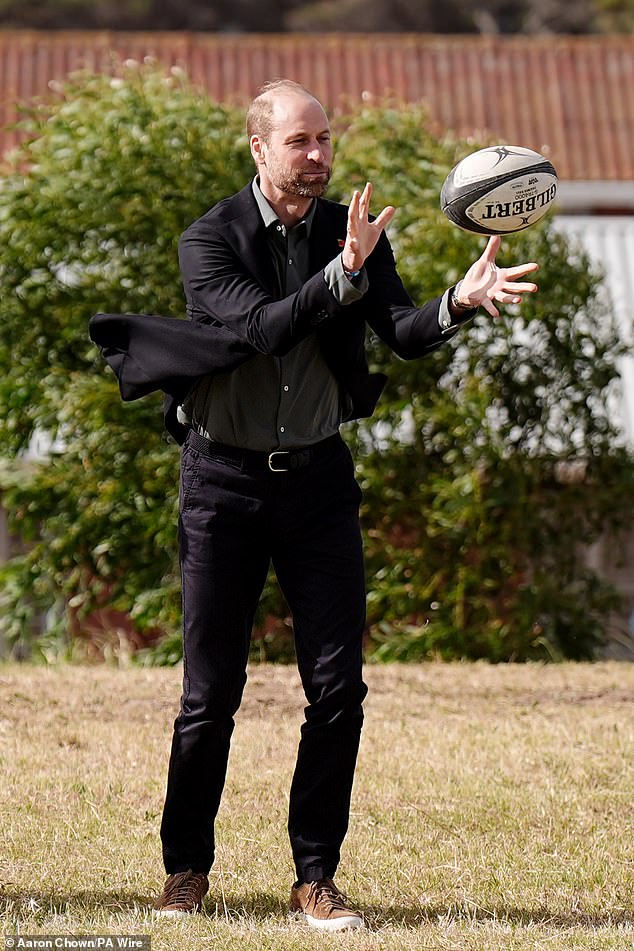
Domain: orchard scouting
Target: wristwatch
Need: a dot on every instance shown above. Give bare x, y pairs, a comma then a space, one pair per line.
457, 303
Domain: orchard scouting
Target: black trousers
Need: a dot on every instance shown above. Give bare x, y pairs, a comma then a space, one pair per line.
235, 519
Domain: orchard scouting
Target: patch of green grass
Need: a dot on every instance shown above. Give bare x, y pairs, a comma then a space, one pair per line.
493, 809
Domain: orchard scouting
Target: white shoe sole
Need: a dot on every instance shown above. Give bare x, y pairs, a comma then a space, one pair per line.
328, 924
172, 913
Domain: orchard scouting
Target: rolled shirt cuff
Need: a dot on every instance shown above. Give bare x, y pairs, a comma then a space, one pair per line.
344, 290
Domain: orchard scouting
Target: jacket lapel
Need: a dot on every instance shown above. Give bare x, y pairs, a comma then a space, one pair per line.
247, 235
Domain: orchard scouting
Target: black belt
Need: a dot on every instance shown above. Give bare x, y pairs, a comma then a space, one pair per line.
280, 460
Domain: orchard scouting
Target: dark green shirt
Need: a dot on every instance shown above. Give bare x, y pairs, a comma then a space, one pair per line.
277, 402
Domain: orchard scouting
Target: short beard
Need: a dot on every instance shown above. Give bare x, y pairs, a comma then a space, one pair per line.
293, 184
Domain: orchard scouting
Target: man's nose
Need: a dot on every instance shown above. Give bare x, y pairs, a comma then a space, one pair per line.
315, 153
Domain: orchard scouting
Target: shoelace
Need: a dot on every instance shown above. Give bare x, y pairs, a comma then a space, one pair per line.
184, 888
327, 894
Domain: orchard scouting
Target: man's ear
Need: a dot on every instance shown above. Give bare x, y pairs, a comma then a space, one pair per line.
256, 145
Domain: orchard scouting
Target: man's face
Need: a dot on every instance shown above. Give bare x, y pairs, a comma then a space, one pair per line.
297, 159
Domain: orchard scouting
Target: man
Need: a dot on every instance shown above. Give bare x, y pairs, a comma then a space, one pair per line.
282, 283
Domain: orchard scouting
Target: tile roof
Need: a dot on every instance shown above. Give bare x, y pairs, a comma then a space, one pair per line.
570, 97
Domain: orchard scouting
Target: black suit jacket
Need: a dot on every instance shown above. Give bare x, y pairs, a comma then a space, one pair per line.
234, 313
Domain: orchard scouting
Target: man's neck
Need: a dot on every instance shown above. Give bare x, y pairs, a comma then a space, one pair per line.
290, 209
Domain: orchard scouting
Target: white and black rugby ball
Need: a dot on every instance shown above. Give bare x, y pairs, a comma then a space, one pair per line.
499, 190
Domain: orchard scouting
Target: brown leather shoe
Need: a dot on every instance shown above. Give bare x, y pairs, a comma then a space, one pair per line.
183, 894
321, 905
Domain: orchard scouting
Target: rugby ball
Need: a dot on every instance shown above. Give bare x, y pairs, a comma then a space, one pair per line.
499, 190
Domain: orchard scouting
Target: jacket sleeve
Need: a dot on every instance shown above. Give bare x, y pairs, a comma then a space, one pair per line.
148, 352
409, 330
220, 289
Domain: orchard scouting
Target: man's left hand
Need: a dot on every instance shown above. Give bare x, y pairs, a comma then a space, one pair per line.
363, 234
485, 282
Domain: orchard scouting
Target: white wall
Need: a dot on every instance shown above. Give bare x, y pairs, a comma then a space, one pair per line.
609, 241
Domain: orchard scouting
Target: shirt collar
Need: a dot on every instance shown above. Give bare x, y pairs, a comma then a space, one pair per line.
268, 215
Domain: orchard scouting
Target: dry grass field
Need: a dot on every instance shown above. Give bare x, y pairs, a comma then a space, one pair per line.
492, 811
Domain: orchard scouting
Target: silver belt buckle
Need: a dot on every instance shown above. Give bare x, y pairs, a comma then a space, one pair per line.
278, 452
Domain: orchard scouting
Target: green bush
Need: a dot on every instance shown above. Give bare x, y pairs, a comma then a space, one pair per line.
489, 465
90, 214
472, 533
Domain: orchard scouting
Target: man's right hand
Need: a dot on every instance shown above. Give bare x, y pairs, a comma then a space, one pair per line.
363, 234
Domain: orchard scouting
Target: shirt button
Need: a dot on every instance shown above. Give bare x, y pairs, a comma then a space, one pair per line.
281, 429
286, 389
290, 260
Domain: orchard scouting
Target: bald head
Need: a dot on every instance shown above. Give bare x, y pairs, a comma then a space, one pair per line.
272, 103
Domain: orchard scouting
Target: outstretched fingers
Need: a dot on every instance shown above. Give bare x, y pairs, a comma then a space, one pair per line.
353, 211
383, 219
520, 270
486, 282
489, 306
505, 298
353, 223
513, 287
363, 234
492, 248
364, 202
